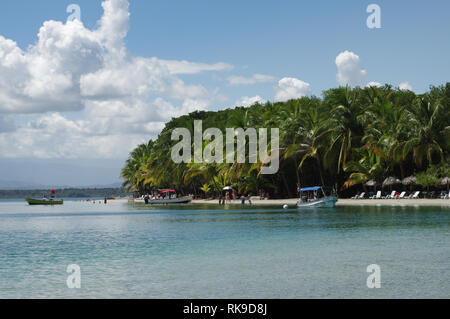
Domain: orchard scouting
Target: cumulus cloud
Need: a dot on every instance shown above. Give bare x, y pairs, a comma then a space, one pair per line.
375, 84
118, 96
256, 78
405, 86
46, 76
248, 101
59, 137
291, 88
349, 72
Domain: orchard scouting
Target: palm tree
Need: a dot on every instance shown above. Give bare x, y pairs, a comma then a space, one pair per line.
427, 124
346, 124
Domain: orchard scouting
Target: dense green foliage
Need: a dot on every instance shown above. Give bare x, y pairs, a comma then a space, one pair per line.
343, 139
65, 193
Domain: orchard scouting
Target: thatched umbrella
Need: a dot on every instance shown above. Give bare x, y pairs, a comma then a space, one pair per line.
445, 182
390, 181
409, 181
372, 183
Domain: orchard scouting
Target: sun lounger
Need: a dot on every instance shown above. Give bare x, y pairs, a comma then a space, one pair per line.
416, 195
391, 196
377, 196
359, 196
402, 195
363, 194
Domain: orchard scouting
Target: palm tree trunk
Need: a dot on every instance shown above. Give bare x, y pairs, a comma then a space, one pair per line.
286, 184
296, 171
320, 170
402, 170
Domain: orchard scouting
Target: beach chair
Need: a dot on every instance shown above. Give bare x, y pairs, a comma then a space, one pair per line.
447, 196
416, 195
362, 195
402, 195
377, 196
392, 195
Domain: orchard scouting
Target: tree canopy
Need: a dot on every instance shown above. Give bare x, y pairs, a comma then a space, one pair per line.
345, 138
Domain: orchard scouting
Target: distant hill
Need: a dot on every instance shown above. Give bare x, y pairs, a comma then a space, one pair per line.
17, 185
64, 193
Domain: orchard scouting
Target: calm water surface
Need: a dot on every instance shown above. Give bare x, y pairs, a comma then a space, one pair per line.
136, 251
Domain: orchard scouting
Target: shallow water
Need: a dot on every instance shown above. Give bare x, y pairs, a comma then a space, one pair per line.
137, 251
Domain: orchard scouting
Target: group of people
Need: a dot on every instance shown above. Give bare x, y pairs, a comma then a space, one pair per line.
264, 195
227, 198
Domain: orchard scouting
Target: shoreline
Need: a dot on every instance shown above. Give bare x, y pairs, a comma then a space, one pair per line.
341, 202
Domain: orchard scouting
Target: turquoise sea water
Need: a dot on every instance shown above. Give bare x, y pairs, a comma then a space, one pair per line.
137, 251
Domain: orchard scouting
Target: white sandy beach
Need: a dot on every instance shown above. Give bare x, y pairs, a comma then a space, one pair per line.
341, 202
344, 202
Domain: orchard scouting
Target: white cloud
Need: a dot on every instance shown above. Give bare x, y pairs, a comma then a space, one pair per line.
185, 67
122, 100
114, 26
256, 78
405, 86
291, 88
58, 137
248, 101
349, 72
375, 84
46, 76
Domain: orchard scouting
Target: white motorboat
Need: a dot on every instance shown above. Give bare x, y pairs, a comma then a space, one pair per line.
178, 200
317, 196
168, 196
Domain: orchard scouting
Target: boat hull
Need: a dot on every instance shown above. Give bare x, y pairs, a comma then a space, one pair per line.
181, 200
32, 201
325, 202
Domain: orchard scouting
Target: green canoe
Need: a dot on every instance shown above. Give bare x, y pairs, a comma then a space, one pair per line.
32, 201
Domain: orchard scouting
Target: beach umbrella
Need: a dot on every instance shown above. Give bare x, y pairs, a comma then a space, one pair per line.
391, 181
409, 181
227, 188
445, 182
371, 183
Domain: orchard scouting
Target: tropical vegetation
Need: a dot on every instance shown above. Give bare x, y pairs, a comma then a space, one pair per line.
343, 139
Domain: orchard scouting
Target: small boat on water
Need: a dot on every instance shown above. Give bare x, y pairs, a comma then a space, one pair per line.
44, 201
317, 196
167, 196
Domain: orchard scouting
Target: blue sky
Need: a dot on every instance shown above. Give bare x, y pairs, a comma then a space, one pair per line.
277, 39
286, 38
